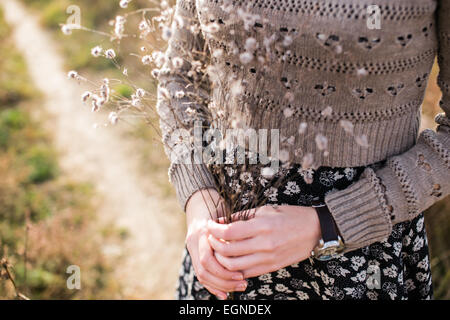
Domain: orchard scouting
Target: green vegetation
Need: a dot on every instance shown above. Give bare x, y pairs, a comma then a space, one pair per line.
77, 50
47, 222
437, 218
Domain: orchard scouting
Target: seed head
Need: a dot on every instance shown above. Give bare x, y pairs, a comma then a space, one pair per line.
146, 60
110, 54
72, 75
124, 3
97, 51
66, 29
113, 118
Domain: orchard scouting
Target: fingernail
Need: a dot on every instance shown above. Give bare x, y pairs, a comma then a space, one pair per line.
238, 277
223, 296
241, 287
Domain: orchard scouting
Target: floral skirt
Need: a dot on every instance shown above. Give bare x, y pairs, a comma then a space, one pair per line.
398, 268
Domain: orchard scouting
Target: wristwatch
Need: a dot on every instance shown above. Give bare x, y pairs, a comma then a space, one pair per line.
331, 244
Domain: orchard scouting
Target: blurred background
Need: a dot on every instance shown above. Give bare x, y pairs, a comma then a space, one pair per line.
76, 192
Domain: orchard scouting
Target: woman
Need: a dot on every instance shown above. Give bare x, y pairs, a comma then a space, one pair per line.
343, 81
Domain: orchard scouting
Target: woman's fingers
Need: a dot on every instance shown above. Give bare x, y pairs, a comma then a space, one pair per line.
237, 230
243, 262
220, 294
208, 279
208, 271
209, 262
239, 247
258, 270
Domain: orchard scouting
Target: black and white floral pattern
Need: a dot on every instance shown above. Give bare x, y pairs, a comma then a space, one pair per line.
401, 263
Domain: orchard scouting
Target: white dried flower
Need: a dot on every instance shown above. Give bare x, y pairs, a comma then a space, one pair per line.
119, 26
146, 60
179, 94
237, 124
268, 41
307, 161
113, 118
85, 96
155, 73
246, 57
95, 105
143, 25
321, 142
197, 66
267, 172
159, 58
288, 112
236, 88
302, 127
97, 51
179, 22
66, 29
212, 28
140, 93
166, 33
217, 53
165, 94
164, 4
289, 96
287, 41
124, 3
190, 111
72, 74
362, 141
104, 93
362, 72
110, 54
195, 29
251, 44
327, 112
347, 126
177, 62
135, 101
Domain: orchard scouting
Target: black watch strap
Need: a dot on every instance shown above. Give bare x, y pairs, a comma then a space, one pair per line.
327, 225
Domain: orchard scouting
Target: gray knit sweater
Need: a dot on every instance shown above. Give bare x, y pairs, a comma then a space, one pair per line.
310, 67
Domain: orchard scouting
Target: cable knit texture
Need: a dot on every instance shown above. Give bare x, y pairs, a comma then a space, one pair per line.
317, 62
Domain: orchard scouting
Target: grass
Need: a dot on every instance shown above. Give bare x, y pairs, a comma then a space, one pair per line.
47, 221
77, 47
437, 220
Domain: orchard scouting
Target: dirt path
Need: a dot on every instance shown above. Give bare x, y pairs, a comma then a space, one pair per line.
103, 157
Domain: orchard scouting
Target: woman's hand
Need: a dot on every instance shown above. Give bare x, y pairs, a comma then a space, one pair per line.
270, 240
208, 270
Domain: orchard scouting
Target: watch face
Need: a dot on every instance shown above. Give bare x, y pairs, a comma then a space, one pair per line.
328, 250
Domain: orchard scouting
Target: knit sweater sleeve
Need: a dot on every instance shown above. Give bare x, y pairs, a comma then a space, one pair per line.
408, 183
183, 92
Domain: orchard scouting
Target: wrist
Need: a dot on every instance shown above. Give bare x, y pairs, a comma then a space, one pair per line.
330, 243
202, 205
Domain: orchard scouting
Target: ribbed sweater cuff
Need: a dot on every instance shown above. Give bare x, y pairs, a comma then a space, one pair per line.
189, 178
360, 212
